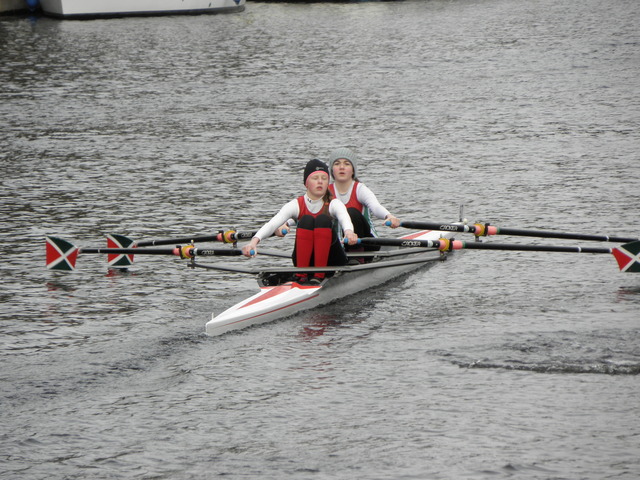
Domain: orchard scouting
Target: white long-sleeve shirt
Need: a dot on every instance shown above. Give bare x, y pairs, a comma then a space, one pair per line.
291, 210
366, 197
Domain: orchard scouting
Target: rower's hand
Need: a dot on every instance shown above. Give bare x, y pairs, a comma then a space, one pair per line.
392, 221
251, 248
282, 230
352, 238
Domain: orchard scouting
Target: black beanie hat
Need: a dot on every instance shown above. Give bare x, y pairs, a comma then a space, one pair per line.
314, 166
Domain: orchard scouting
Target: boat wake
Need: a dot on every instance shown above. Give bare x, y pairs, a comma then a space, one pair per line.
601, 352
551, 367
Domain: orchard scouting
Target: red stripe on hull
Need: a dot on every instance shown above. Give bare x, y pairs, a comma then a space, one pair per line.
415, 235
270, 311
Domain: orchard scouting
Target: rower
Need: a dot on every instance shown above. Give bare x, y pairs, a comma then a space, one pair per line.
360, 201
317, 243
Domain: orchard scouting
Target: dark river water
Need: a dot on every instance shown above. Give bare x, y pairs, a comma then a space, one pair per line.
491, 365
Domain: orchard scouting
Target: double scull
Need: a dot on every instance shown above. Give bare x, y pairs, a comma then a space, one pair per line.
281, 296
279, 299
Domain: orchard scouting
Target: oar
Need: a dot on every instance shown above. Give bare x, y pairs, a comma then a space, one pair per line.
627, 255
480, 230
123, 260
62, 255
230, 236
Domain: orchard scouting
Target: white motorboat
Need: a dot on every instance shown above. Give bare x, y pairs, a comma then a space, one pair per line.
119, 8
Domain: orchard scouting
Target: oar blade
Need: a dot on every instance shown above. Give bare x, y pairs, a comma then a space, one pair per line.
628, 257
119, 260
61, 255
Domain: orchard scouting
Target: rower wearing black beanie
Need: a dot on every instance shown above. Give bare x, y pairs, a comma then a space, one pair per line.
312, 166
317, 243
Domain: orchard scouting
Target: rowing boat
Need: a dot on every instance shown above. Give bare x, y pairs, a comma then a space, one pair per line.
279, 299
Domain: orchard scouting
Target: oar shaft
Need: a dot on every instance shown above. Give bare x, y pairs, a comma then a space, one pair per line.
174, 241
443, 227
458, 245
445, 244
229, 237
399, 242
187, 251
130, 251
563, 235
481, 229
210, 252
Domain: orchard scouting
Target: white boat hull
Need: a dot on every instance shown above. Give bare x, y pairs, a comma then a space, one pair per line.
13, 6
97, 8
281, 301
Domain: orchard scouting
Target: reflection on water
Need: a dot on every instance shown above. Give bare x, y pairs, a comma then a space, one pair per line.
317, 325
629, 294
